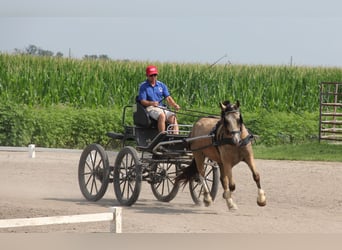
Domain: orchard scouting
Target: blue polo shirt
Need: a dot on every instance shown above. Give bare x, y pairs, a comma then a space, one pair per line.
154, 94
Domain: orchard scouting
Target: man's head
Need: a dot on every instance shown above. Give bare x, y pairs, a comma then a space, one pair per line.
151, 70
151, 73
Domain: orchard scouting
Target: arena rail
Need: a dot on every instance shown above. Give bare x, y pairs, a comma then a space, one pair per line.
114, 217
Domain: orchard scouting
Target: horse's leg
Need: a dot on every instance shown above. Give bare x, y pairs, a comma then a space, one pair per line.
199, 158
228, 185
261, 198
206, 195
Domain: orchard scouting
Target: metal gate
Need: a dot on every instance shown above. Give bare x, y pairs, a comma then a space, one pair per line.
330, 118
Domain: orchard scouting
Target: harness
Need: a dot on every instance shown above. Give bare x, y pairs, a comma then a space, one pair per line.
216, 141
219, 141
223, 141
217, 136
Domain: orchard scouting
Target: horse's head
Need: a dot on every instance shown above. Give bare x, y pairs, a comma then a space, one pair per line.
232, 120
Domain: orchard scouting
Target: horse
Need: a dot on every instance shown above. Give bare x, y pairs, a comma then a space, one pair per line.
228, 143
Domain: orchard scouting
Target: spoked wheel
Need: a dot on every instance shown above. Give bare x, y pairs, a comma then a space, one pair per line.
127, 176
211, 177
163, 176
93, 172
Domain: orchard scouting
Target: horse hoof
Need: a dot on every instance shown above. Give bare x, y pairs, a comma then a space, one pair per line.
261, 200
207, 200
207, 204
233, 208
231, 205
261, 203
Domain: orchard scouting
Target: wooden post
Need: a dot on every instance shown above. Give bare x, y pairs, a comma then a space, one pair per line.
116, 223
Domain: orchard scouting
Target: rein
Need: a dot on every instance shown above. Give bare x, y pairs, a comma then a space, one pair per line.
191, 113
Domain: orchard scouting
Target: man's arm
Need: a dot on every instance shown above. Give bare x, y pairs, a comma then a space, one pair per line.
172, 102
142, 97
149, 103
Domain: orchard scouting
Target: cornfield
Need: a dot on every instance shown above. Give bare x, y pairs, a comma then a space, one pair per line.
46, 81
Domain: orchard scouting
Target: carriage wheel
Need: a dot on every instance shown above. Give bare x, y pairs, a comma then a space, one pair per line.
211, 178
163, 184
93, 172
127, 176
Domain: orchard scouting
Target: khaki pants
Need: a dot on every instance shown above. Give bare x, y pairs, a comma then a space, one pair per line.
154, 112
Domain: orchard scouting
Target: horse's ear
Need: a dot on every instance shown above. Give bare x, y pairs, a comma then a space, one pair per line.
237, 103
223, 107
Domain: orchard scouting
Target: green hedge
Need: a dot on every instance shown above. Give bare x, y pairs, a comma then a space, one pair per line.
65, 127
56, 126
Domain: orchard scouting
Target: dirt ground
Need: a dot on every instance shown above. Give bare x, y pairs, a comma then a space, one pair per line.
302, 197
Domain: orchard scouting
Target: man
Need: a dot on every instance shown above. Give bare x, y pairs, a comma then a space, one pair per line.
151, 94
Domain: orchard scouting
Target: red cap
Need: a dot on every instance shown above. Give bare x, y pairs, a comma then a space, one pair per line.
151, 70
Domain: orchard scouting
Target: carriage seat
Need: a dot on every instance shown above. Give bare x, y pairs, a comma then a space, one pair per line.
141, 117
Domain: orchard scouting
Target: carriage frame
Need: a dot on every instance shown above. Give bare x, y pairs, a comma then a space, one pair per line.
145, 155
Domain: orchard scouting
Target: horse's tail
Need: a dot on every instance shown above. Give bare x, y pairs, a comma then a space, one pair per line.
187, 173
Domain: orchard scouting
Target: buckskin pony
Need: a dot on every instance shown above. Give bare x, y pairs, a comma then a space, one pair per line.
228, 143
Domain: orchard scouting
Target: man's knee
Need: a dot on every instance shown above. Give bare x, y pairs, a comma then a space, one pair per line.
162, 117
172, 119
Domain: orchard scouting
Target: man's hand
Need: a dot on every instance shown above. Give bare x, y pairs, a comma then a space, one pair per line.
155, 104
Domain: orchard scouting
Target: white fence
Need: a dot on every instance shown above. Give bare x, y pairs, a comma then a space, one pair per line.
114, 216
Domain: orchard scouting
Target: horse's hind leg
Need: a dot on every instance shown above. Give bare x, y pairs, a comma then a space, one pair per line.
199, 158
207, 197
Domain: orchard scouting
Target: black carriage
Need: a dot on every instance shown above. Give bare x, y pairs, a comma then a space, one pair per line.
146, 155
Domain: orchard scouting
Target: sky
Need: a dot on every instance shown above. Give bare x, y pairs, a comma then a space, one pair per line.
270, 32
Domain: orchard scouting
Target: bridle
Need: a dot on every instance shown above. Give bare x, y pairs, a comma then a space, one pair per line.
230, 110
